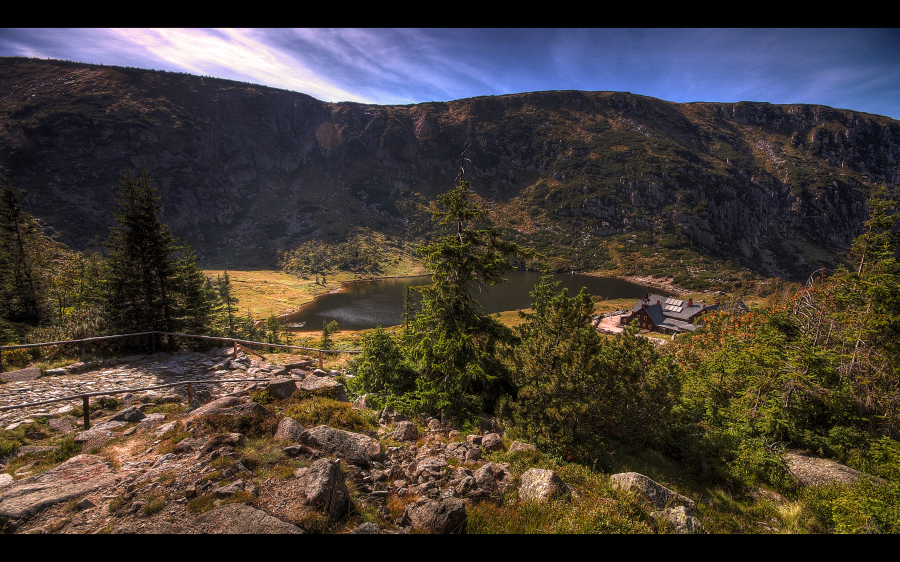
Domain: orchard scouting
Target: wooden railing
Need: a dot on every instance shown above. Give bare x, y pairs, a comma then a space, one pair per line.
238, 344
232, 341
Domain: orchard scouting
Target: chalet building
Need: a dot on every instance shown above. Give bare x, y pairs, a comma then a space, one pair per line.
668, 315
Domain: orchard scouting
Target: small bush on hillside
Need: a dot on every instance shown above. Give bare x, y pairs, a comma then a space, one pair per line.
339, 415
254, 425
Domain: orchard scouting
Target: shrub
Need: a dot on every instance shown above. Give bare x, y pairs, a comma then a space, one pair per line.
255, 425
339, 415
154, 506
202, 504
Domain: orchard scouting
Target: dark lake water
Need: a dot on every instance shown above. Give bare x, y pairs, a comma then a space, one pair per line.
365, 305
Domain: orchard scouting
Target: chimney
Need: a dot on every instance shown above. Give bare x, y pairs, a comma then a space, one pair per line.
690, 303
704, 306
657, 301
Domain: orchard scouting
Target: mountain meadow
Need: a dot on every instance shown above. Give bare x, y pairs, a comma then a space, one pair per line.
135, 200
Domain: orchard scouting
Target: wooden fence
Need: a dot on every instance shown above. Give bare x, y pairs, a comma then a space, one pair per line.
231, 341
238, 344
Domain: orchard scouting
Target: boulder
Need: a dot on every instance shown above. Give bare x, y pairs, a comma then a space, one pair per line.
228, 490
152, 420
429, 468
356, 448
655, 493
221, 439
98, 440
444, 516
289, 429
282, 387
324, 386
322, 485
405, 431
679, 520
519, 446
367, 528
230, 406
539, 485
813, 471
241, 519
75, 478
129, 414
491, 442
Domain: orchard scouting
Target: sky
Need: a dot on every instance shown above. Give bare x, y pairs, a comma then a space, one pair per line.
856, 69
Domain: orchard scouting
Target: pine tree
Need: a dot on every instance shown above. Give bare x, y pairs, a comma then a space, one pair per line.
24, 251
224, 288
576, 387
454, 346
153, 283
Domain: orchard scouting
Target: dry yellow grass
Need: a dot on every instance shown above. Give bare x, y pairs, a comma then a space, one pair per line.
267, 292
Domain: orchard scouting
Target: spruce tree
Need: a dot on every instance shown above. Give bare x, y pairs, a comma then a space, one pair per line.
452, 343
153, 283
23, 249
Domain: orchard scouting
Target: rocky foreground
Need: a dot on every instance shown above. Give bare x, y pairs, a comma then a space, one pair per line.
156, 464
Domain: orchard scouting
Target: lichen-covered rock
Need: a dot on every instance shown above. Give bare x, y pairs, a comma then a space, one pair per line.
519, 446
444, 516
322, 486
491, 442
280, 388
405, 431
679, 520
289, 429
654, 492
235, 406
241, 519
356, 448
539, 485
814, 471
324, 386
72, 479
129, 414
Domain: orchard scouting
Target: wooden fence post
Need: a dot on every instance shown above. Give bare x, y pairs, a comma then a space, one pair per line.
82, 352
321, 359
190, 395
85, 401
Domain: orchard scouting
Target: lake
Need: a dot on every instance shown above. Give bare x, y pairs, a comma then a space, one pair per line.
365, 305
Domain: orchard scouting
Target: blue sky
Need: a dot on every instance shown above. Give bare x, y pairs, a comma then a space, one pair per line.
855, 69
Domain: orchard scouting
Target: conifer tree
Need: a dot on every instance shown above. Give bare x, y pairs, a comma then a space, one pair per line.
23, 251
454, 346
153, 283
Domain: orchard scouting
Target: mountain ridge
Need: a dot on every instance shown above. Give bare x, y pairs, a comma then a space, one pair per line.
597, 180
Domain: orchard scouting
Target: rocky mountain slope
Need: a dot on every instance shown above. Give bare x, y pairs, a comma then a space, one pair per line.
225, 462
598, 179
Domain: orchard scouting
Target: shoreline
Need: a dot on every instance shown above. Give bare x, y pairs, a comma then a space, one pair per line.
665, 283
647, 280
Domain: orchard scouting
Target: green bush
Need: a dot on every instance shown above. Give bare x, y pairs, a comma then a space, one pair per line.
255, 425
326, 411
863, 507
381, 367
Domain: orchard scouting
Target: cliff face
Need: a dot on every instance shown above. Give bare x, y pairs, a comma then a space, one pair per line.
245, 170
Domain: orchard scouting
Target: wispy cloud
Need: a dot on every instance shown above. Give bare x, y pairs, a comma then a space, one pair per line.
856, 69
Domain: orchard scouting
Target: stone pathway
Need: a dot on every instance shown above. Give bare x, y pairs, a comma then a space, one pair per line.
130, 372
